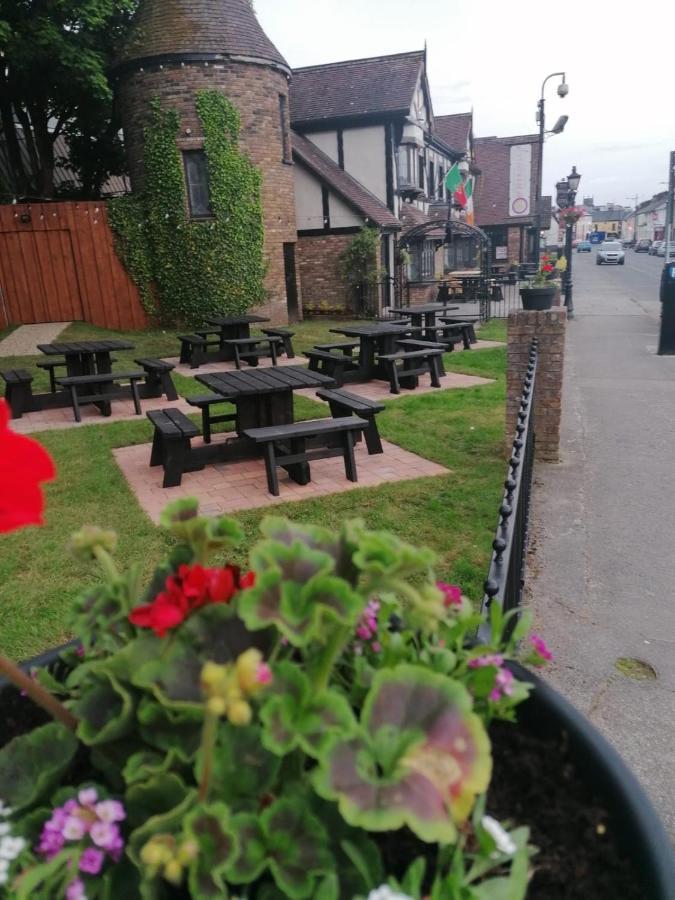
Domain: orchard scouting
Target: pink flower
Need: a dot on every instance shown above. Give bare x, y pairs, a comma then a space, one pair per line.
51, 843
110, 811
74, 828
376, 646
75, 890
452, 594
105, 835
264, 674
503, 685
91, 861
87, 797
493, 659
540, 647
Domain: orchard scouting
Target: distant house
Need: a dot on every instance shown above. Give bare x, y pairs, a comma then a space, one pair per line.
650, 218
506, 206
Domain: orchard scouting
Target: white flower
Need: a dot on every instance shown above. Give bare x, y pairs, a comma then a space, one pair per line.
5, 811
4, 828
501, 837
11, 847
4, 871
386, 893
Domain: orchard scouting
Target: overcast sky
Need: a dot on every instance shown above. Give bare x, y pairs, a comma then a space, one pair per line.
493, 56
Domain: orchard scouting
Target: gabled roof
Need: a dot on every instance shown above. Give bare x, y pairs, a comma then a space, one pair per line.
342, 183
357, 87
198, 29
454, 130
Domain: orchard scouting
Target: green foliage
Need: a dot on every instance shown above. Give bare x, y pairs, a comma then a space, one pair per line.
261, 740
358, 261
184, 268
53, 80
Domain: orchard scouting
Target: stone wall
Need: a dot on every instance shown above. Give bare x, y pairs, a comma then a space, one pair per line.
549, 327
323, 287
514, 242
255, 91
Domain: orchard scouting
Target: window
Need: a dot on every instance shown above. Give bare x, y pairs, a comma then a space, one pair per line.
197, 181
285, 134
422, 261
406, 165
431, 192
420, 172
462, 253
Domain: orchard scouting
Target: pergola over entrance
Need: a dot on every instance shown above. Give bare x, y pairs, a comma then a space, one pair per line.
444, 232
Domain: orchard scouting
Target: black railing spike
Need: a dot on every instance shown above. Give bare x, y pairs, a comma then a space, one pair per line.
519, 442
514, 462
510, 484
505, 510
520, 428
491, 588
499, 545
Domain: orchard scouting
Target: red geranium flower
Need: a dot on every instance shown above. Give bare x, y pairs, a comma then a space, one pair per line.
23, 465
547, 268
189, 589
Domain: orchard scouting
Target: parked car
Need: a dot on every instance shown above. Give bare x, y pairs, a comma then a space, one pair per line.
643, 246
654, 248
610, 252
584, 247
662, 249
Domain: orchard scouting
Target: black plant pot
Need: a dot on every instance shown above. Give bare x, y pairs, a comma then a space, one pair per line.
640, 832
537, 298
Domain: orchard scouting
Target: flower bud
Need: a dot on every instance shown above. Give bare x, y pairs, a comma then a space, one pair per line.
187, 852
213, 677
216, 706
85, 541
173, 872
155, 854
247, 670
239, 713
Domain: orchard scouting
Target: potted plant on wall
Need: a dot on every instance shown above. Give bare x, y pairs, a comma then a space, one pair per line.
319, 728
539, 292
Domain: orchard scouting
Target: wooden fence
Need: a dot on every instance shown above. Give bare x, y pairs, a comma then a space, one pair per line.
58, 264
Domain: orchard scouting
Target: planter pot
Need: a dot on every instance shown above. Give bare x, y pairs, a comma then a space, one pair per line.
640, 836
537, 298
636, 838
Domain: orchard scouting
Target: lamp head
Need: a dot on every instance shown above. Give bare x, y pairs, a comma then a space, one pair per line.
573, 179
559, 126
563, 88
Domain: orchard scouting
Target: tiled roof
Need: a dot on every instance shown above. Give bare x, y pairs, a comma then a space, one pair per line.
412, 217
492, 194
454, 130
343, 183
381, 84
223, 27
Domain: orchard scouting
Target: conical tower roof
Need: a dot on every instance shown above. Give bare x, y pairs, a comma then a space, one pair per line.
197, 30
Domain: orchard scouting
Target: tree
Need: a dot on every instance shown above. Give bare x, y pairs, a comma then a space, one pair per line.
53, 81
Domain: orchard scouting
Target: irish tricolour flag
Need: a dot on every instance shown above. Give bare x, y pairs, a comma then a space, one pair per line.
461, 190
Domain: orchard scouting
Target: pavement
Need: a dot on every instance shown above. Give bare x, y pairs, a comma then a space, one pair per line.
602, 564
24, 339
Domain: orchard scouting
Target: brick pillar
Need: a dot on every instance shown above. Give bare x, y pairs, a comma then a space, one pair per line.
549, 327
513, 239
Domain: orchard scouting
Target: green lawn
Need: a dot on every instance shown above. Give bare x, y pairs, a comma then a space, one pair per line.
456, 514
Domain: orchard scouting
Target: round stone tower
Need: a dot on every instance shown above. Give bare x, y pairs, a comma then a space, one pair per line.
179, 47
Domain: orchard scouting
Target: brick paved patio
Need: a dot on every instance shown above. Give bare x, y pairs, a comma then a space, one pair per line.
235, 486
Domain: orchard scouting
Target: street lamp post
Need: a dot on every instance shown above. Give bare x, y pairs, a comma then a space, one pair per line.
566, 197
563, 89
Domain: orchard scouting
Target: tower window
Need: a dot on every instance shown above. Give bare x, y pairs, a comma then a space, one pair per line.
285, 133
197, 180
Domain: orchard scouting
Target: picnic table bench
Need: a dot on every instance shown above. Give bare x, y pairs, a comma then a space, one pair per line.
286, 337
171, 447
413, 364
332, 364
18, 390
204, 402
251, 349
103, 390
158, 379
343, 404
286, 445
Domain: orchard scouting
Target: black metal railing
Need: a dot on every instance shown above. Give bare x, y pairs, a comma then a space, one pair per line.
506, 575
366, 299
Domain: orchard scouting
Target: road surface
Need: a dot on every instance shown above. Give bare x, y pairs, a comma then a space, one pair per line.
602, 583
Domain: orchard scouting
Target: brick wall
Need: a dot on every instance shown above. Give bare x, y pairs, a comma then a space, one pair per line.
322, 285
255, 91
549, 327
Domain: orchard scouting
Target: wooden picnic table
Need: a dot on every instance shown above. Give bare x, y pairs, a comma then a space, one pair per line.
233, 328
262, 397
424, 315
374, 338
85, 357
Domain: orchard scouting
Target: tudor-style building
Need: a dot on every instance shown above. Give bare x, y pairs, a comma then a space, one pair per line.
366, 126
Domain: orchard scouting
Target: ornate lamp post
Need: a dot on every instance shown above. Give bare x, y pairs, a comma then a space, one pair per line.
563, 90
566, 196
